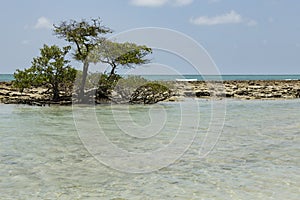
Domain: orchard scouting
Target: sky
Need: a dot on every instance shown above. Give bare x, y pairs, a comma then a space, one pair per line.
241, 37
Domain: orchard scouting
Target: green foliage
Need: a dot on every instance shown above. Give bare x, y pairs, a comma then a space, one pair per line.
135, 81
50, 69
149, 93
85, 36
120, 54
169, 84
24, 79
92, 80
118, 84
109, 80
132, 81
107, 83
90, 46
157, 87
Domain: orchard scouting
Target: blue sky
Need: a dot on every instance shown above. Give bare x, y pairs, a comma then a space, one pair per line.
242, 37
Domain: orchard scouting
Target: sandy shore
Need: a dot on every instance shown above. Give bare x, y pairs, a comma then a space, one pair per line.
271, 89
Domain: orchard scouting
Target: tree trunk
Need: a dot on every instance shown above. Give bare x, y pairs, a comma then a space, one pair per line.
113, 68
55, 89
112, 72
81, 93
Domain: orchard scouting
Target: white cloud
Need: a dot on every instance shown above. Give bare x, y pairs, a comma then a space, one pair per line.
231, 17
148, 3
43, 23
159, 3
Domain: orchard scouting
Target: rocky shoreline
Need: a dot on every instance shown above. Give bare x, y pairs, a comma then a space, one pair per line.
247, 90
34, 96
146, 94
261, 89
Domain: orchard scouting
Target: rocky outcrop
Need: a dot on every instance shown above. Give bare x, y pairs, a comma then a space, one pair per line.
33, 96
148, 93
261, 89
152, 93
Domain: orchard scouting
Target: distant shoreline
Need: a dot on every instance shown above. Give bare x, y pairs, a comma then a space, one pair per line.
248, 90
225, 77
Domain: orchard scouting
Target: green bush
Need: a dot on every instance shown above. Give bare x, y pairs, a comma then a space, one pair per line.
49, 70
157, 87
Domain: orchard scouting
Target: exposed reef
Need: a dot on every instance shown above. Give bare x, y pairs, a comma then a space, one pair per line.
260, 89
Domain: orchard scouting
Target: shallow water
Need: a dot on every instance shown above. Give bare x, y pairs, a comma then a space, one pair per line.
257, 155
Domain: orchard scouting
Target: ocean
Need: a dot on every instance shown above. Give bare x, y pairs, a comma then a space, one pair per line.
9, 77
6, 77
223, 77
114, 152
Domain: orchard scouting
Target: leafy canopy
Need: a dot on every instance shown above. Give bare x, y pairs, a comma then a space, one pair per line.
120, 54
84, 34
50, 70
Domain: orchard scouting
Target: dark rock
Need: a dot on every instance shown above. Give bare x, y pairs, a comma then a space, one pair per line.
229, 95
277, 95
202, 94
242, 92
4, 93
297, 93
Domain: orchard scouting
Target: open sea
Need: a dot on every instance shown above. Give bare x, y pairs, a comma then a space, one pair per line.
194, 149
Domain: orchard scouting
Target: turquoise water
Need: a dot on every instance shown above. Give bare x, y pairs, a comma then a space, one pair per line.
43, 156
224, 77
9, 77
6, 77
